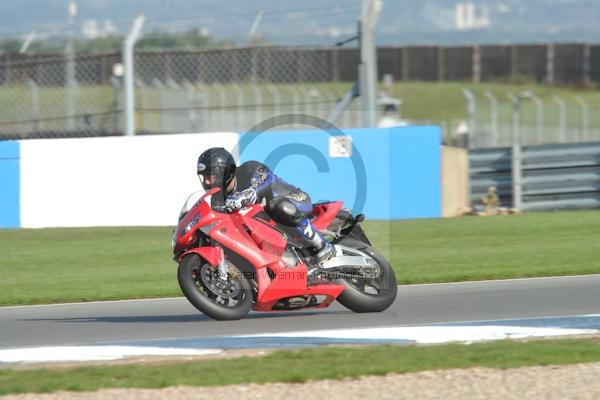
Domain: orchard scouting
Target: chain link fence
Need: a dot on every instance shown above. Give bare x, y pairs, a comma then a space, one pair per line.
233, 90
57, 97
541, 119
176, 91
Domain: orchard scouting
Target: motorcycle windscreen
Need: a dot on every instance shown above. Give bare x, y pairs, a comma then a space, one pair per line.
190, 202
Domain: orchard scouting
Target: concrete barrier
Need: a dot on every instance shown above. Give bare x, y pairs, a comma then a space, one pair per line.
455, 181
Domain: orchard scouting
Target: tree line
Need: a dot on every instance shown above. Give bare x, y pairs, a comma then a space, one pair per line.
157, 40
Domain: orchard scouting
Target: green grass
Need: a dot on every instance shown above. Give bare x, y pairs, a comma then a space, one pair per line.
440, 101
424, 102
86, 264
435, 102
16, 103
471, 248
51, 265
304, 365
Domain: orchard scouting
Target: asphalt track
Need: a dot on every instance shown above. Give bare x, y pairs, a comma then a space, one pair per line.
175, 318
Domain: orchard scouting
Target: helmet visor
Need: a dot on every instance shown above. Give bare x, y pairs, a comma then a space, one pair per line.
211, 177
209, 181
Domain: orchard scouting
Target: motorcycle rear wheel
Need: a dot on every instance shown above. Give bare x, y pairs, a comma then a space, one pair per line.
219, 300
357, 299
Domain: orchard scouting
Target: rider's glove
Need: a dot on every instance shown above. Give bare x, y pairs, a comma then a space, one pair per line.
237, 200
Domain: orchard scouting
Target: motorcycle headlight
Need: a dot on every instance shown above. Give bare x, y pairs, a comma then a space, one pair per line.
207, 228
192, 223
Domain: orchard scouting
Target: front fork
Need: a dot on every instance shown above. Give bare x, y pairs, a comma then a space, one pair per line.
222, 268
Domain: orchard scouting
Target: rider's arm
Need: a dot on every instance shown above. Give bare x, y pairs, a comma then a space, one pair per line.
259, 183
262, 179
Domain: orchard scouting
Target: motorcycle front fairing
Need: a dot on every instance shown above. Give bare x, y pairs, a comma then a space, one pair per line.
194, 215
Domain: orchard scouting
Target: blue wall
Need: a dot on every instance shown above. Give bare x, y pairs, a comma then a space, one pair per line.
415, 179
392, 173
9, 185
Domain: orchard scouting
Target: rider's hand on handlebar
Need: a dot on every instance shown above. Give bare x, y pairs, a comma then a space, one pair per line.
237, 200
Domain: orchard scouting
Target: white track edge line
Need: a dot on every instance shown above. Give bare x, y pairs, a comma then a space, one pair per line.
535, 278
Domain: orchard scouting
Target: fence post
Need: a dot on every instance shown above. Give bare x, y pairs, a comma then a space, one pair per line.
335, 65
344, 105
163, 117
116, 83
70, 76
308, 105
258, 103
146, 125
587, 59
441, 64
539, 110
254, 65
223, 120
128, 79
494, 115
368, 57
550, 64
585, 117
35, 103
405, 64
476, 64
562, 119
206, 99
539, 106
369, 15
191, 94
241, 110
295, 101
471, 110
516, 156
514, 62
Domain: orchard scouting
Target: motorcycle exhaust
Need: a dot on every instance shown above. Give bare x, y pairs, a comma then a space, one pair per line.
294, 303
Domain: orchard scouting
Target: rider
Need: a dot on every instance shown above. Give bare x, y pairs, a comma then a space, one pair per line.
252, 182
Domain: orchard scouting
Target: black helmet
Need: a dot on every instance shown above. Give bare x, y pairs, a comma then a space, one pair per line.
216, 168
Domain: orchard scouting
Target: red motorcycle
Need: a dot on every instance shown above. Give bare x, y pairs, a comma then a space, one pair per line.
230, 263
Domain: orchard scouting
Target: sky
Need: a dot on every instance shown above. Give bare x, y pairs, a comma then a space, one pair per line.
316, 21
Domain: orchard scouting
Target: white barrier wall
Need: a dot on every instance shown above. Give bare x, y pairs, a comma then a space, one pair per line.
114, 181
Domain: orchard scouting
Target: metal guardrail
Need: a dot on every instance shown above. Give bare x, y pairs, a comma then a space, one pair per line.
555, 176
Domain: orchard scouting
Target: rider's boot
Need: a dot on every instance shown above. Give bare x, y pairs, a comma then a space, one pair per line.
321, 248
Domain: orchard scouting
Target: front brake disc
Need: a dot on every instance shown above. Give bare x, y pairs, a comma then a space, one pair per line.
227, 289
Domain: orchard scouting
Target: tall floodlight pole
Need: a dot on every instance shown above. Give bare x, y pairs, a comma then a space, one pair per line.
368, 57
128, 78
70, 68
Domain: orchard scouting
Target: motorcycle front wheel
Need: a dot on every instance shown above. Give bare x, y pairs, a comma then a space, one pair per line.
218, 298
368, 295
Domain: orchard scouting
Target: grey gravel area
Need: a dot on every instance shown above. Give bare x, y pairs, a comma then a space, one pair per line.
579, 381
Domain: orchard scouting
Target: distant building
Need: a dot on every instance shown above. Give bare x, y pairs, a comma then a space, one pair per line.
469, 16
93, 29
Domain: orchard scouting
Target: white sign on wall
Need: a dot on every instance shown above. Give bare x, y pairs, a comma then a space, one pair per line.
340, 146
114, 181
